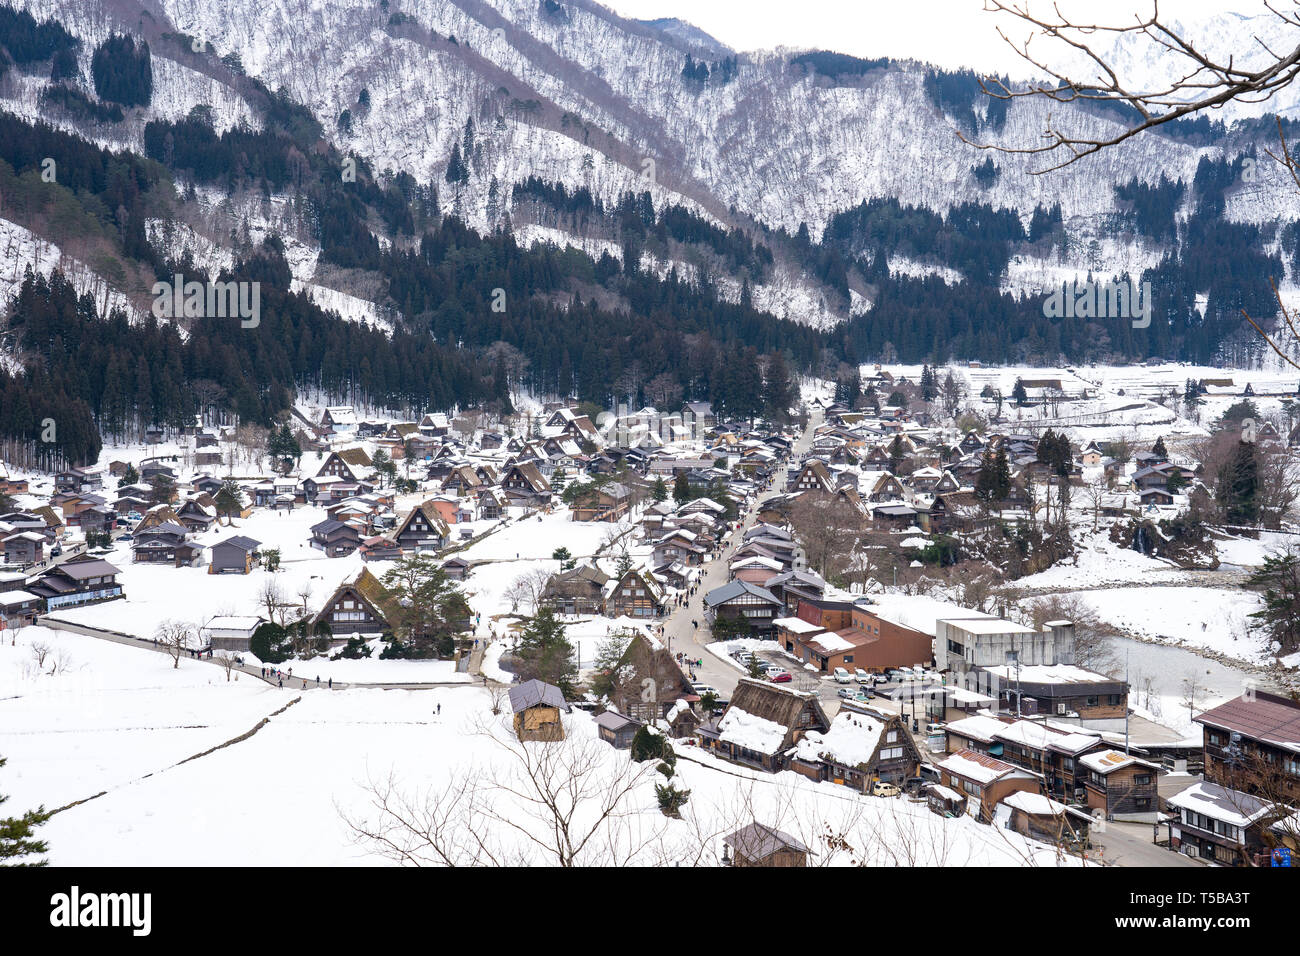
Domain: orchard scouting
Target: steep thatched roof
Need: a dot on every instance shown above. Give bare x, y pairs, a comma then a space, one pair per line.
792, 709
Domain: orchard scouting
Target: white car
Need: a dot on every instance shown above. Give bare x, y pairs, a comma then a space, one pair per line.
841, 676
861, 676
703, 689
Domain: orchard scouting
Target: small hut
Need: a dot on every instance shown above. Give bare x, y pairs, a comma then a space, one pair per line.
760, 845
537, 707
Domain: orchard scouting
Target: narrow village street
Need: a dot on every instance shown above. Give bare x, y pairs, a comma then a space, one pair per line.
680, 629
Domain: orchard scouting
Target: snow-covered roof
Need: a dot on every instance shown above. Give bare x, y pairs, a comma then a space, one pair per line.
1221, 803
797, 625
851, 741
751, 732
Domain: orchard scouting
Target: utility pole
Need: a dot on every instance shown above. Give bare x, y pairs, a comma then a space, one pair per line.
1126, 710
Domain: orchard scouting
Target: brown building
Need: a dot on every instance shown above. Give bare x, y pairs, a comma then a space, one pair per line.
865, 642
636, 594
537, 707
1119, 784
355, 607
985, 781
759, 845
863, 746
762, 722
1254, 745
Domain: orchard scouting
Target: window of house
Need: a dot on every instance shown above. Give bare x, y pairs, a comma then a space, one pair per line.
1094, 701
1142, 779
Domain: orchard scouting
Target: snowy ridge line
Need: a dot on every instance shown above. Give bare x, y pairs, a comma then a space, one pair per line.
233, 740
242, 737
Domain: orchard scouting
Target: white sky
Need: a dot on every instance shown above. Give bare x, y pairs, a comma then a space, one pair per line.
948, 33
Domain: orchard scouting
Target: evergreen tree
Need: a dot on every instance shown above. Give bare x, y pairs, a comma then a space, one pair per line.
659, 490
1279, 577
1238, 485
1018, 392
681, 489
18, 843
1159, 447
229, 499
545, 654
778, 391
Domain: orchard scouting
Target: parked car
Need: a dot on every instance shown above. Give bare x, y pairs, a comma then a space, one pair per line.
882, 789
56, 551
880, 678
703, 689
932, 729
841, 676
861, 676
778, 676
846, 693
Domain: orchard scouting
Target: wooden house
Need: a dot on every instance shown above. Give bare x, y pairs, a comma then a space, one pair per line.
760, 845
355, 607
524, 484
236, 554
636, 594
1119, 784
762, 723
863, 745
580, 590
648, 682
349, 464
537, 707
616, 729
335, 538
421, 529
985, 781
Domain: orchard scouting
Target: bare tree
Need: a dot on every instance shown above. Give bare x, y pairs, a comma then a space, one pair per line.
271, 597
40, 653
227, 661
575, 802
175, 638
1093, 649
527, 589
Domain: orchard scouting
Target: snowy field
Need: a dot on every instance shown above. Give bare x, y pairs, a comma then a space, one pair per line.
121, 720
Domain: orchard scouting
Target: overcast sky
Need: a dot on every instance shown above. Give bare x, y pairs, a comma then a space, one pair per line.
946, 32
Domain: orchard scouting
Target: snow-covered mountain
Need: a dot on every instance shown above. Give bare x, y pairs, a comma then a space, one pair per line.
570, 92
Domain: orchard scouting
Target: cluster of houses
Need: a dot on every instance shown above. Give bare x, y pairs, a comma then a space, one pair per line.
904, 476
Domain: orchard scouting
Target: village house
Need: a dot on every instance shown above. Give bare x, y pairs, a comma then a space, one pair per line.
635, 594
1219, 824
745, 605
237, 553
985, 781
1120, 786
355, 607
335, 538
649, 683
80, 581
525, 485
1254, 745
165, 543
607, 503
760, 845
1041, 818
616, 729
1063, 691
421, 529
537, 706
230, 632
24, 548
349, 464
864, 746
580, 590
18, 608
762, 723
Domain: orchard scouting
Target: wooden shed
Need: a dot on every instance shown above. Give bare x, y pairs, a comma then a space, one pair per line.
537, 707
760, 845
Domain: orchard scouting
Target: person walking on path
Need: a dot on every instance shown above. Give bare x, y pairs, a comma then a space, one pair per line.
331, 683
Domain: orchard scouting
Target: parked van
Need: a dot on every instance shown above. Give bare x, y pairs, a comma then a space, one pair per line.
842, 676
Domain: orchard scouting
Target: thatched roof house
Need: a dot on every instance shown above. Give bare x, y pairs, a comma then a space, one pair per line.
762, 723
